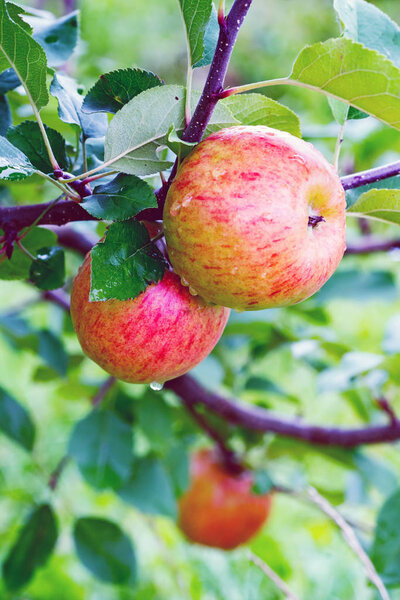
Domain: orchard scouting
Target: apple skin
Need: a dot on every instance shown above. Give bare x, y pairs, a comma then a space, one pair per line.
219, 509
236, 219
160, 335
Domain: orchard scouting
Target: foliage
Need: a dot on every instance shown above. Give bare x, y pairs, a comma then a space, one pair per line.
90, 497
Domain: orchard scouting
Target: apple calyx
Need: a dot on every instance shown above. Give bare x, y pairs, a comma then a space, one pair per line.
314, 220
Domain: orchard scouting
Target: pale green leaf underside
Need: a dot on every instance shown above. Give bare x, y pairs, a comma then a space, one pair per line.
383, 205
20, 51
257, 109
347, 70
140, 129
14, 164
196, 14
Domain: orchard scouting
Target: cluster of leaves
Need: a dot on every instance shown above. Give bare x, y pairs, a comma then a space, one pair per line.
149, 472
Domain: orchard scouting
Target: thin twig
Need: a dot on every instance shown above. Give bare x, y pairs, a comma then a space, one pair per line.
107, 385
56, 474
351, 539
274, 577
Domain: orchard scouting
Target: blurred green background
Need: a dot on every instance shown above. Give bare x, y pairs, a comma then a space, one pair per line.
326, 359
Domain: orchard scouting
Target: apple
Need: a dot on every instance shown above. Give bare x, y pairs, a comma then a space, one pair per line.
255, 218
157, 336
219, 509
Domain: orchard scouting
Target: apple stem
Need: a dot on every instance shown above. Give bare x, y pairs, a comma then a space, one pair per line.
314, 220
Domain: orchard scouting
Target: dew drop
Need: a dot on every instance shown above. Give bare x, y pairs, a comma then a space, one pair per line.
156, 386
184, 282
192, 291
298, 158
234, 270
175, 208
187, 201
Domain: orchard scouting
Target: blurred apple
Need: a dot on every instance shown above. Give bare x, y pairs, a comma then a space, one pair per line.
219, 509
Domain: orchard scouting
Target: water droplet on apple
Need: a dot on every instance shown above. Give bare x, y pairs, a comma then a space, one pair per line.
156, 386
184, 282
218, 172
298, 158
187, 201
234, 270
175, 208
192, 291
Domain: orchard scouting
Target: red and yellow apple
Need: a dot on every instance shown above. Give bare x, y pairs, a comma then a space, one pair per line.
255, 218
157, 336
219, 509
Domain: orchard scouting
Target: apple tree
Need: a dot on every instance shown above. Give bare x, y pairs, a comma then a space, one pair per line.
170, 465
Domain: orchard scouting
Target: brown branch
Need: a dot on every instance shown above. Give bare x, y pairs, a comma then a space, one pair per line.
368, 245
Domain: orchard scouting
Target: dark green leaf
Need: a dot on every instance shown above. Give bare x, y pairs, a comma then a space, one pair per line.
123, 198
19, 265
14, 165
15, 12
47, 272
125, 263
58, 38
385, 552
116, 88
196, 15
32, 548
105, 550
353, 284
101, 443
262, 384
8, 81
52, 351
20, 51
210, 40
5, 116
27, 137
70, 108
149, 488
15, 421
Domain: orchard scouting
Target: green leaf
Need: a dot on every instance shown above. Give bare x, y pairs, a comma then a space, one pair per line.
58, 37
139, 130
361, 286
47, 272
15, 421
210, 40
20, 51
365, 23
262, 482
196, 15
105, 550
14, 164
155, 418
5, 116
15, 12
120, 199
178, 146
349, 71
8, 81
51, 349
113, 90
125, 263
262, 384
19, 265
352, 364
27, 137
382, 205
101, 444
70, 108
32, 548
257, 109
385, 552
150, 489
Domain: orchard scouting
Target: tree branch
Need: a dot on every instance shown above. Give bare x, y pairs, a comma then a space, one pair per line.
274, 577
369, 244
259, 419
65, 211
356, 180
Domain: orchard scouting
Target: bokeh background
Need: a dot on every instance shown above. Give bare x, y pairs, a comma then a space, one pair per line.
326, 360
